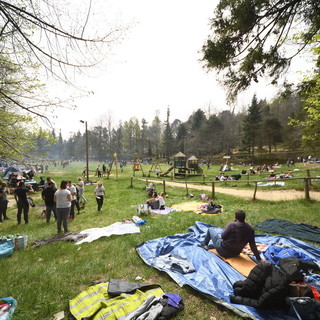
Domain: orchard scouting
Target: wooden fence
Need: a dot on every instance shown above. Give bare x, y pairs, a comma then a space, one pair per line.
306, 184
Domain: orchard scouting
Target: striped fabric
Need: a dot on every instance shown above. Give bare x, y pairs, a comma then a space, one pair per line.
96, 304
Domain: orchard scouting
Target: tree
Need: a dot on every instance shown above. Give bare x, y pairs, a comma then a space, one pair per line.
37, 33
155, 134
251, 126
211, 136
272, 132
16, 138
182, 134
168, 142
249, 37
311, 124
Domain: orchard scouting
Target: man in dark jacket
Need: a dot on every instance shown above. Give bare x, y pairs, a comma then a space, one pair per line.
48, 197
233, 239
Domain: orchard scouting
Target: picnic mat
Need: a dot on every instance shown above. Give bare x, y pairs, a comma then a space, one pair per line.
166, 210
193, 206
242, 263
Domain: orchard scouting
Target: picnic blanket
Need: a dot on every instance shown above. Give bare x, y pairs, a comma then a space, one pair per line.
117, 228
301, 230
166, 210
193, 206
212, 276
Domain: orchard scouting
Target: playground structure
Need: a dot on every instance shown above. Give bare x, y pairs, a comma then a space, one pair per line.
137, 164
155, 167
183, 167
114, 161
193, 166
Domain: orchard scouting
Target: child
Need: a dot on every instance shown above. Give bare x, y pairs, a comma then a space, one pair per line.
161, 200
100, 193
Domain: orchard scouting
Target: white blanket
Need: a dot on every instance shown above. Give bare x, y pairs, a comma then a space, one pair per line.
117, 228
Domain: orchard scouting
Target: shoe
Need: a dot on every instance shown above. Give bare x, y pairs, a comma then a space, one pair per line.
6, 218
203, 246
1, 220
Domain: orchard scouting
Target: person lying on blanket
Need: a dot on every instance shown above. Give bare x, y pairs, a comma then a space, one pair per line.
233, 239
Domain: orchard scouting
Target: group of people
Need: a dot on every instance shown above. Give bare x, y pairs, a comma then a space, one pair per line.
61, 203
157, 201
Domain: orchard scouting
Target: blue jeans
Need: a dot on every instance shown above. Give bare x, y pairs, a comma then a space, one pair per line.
215, 237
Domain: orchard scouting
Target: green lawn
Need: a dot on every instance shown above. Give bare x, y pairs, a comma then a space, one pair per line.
44, 279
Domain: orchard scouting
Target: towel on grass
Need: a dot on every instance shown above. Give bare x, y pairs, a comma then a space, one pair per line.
166, 210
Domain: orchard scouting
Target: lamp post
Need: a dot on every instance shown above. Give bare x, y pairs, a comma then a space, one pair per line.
87, 148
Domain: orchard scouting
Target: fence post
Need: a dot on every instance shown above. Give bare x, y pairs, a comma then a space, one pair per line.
255, 190
308, 176
212, 190
164, 186
306, 189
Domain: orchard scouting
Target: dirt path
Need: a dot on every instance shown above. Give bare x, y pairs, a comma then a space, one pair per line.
273, 195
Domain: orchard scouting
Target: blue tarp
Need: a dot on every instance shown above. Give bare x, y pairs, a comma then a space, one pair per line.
10, 170
212, 276
6, 248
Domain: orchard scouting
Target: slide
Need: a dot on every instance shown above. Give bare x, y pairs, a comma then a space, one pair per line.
166, 173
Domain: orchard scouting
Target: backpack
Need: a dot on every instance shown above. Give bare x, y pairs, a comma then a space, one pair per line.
304, 308
77, 190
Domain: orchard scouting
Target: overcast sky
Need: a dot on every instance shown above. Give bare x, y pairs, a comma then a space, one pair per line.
155, 67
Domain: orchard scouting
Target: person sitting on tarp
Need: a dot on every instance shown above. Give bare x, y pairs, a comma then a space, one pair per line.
153, 202
162, 203
233, 239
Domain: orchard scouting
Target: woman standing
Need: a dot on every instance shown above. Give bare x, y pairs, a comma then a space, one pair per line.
62, 198
3, 201
99, 193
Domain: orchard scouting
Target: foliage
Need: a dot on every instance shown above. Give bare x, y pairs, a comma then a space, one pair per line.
201, 135
251, 126
249, 39
167, 141
16, 135
310, 125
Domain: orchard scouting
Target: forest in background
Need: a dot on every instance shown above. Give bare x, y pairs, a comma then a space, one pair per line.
262, 128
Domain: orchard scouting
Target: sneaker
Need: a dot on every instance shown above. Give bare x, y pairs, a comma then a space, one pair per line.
203, 246
6, 218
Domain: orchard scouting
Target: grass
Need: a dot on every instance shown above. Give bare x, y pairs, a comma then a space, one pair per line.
44, 279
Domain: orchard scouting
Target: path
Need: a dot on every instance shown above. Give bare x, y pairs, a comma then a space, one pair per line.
271, 195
